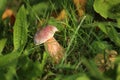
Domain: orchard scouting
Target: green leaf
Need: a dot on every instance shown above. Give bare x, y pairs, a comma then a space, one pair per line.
118, 72
83, 77
111, 32
118, 22
114, 36
30, 70
11, 72
105, 7
10, 58
98, 6
20, 29
40, 8
2, 6
2, 44
2, 71
79, 76
19, 40
8, 65
100, 46
102, 27
114, 11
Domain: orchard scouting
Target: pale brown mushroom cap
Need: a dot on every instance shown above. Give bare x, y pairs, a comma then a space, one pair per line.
44, 34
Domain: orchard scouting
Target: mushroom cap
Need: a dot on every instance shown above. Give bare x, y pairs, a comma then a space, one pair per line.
44, 34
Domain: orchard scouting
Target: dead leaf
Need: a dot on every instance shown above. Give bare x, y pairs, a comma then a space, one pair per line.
62, 15
80, 6
8, 13
106, 62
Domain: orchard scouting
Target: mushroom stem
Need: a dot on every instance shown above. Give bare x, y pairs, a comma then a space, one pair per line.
55, 50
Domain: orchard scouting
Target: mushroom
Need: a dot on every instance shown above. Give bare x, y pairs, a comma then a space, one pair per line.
51, 45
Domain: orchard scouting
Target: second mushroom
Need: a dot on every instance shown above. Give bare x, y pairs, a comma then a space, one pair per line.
46, 36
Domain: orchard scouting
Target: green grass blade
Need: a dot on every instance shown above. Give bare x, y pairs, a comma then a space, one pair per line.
73, 37
2, 44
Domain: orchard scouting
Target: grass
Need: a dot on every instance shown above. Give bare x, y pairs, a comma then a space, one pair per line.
83, 38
